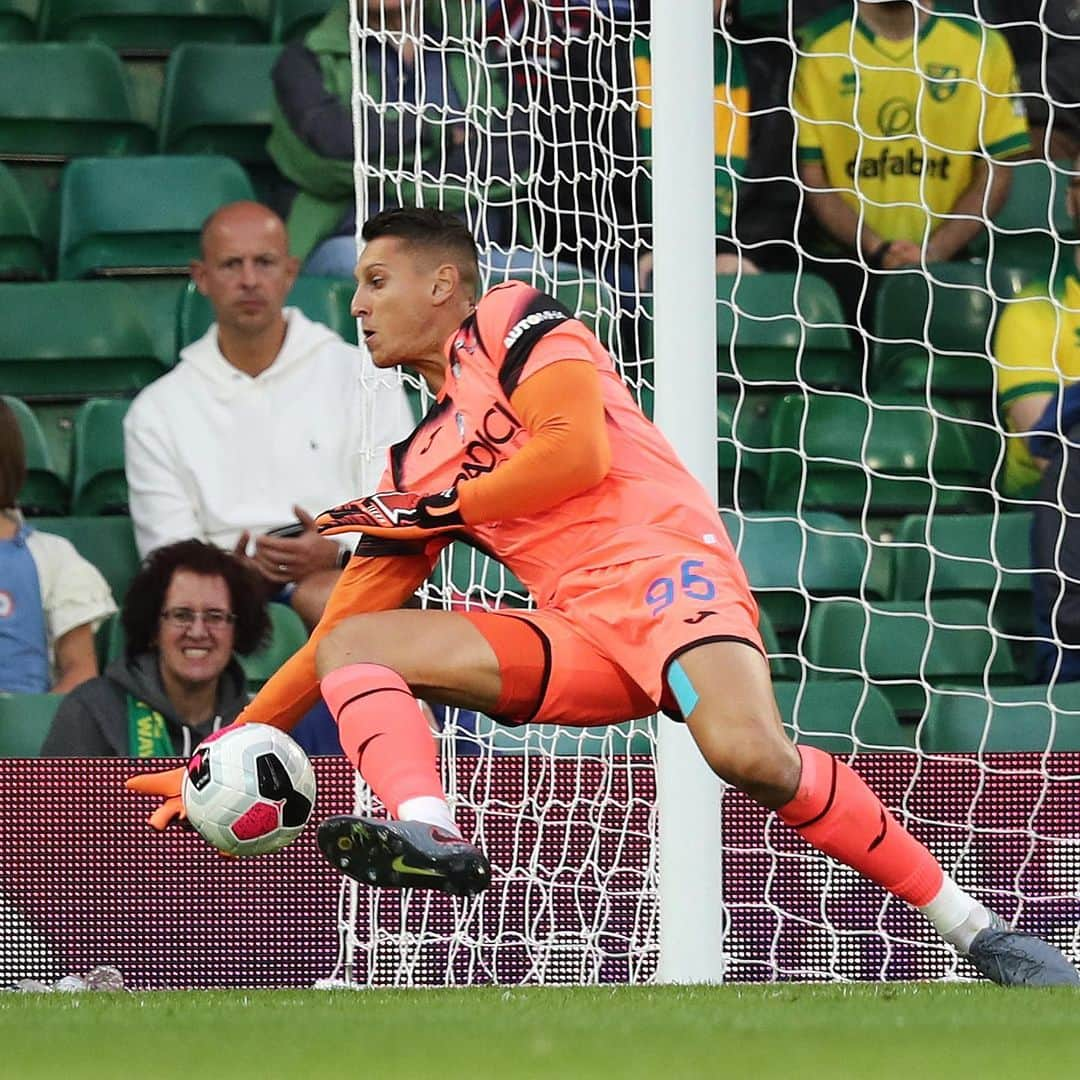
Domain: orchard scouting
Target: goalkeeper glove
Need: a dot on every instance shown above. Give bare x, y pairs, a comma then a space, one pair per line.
398, 514
168, 784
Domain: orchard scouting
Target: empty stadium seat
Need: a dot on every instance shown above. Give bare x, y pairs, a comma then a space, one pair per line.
74, 339
783, 328
18, 20
841, 717
1035, 209
972, 556
324, 300
107, 542
1019, 718
218, 99
153, 27
22, 253
25, 720
288, 634
141, 215
901, 650
934, 330
791, 563
741, 461
292, 19
45, 491
98, 483
62, 100
891, 457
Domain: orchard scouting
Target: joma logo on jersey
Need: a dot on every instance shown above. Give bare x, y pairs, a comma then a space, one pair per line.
529, 322
482, 453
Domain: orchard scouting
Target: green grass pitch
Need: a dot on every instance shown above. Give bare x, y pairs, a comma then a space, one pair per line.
914, 1031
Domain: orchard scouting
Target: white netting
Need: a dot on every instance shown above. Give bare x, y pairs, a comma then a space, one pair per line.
861, 463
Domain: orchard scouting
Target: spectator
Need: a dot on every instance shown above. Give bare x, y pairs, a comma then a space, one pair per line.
268, 417
754, 139
902, 115
1037, 350
51, 599
427, 124
189, 610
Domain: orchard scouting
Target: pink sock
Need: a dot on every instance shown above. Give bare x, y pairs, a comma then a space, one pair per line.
834, 810
383, 733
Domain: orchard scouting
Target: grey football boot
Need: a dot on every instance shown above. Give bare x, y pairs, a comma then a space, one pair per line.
1011, 958
404, 855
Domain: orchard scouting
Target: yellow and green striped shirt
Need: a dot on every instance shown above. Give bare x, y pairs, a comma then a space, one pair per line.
898, 125
1036, 351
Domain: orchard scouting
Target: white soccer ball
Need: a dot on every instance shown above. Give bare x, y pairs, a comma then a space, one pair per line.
249, 790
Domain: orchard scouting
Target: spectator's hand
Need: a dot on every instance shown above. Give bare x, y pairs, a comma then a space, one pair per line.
402, 515
902, 253
292, 558
644, 271
167, 784
729, 263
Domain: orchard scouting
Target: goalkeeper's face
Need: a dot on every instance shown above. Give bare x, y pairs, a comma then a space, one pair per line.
408, 302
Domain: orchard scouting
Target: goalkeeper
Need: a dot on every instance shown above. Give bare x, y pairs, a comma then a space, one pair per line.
535, 452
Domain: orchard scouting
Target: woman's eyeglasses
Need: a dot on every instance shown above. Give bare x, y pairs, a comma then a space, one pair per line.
185, 617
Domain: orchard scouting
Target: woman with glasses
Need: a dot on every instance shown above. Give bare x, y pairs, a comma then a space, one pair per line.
189, 610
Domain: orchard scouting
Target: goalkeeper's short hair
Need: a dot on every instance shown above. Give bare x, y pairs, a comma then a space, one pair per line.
430, 230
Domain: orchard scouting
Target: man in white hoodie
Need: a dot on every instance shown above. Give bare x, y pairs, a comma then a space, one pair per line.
267, 419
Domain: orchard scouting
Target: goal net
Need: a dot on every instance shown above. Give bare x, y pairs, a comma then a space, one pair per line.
861, 467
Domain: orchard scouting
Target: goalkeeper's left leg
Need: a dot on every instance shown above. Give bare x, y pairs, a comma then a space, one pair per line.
724, 693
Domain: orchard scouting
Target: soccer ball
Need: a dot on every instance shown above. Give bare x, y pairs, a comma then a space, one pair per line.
249, 790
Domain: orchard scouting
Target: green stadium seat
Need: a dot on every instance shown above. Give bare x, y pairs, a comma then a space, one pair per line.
18, 20
783, 666
142, 215
973, 555
890, 457
292, 19
98, 483
612, 740
153, 27
1018, 718
742, 459
1035, 210
793, 562
74, 339
60, 100
933, 330
841, 717
45, 491
218, 99
25, 720
288, 634
324, 300
107, 542
898, 648
783, 328
22, 253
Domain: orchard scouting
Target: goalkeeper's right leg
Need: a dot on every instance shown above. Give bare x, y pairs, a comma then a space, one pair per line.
724, 691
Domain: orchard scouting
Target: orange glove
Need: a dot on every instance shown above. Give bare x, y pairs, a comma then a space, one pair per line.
399, 515
167, 784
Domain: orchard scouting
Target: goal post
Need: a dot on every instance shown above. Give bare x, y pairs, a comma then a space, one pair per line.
684, 295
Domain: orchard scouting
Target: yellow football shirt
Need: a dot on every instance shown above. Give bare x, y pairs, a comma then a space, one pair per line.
1036, 351
898, 125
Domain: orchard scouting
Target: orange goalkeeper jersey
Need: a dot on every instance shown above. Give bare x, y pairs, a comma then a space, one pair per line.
646, 504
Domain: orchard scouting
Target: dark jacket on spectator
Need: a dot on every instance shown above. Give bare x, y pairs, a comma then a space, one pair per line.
95, 719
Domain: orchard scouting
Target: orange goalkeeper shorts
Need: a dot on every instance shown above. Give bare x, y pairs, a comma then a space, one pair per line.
600, 654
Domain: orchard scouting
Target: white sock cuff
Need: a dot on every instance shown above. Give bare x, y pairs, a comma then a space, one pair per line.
956, 915
430, 809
